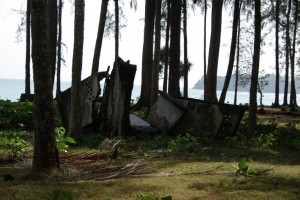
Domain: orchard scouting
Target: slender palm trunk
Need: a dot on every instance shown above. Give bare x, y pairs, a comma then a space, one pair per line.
27, 62
204, 42
154, 93
255, 71
52, 35
75, 113
236, 17
116, 29
293, 100
185, 54
237, 65
174, 89
166, 68
98, 45
277, 78
213, 58
147, 60
59, 41
287, 55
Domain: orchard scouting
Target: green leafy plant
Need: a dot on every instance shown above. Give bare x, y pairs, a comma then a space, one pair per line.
18, 146
243, 168
62, 139
16, 115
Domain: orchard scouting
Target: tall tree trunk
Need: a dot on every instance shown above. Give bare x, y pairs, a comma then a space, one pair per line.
287, 57
174, 89
185, 76
147, 60
98, 45
293, 99
236, 17
75, 111
277, 75
204, 43
59, 42
213, 58
44, 154
116, 29
237, 64
155, 69
255, 71
27, 60
166, 71
52, 34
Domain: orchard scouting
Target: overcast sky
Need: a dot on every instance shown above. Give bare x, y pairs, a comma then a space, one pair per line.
12, 54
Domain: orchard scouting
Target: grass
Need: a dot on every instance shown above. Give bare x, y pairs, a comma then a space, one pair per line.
208, 173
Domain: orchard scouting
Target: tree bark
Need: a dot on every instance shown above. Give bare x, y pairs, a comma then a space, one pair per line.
237, 64
155, 70
276, 103
59, 42
75, 112
293, 99
44, 155
185, 76
213, 58
52, 34
174, 89
27, 61
147, 60
255, 71
114, 112
98, 45
204, 43
116, 29
287, 57
236, 17
166, 68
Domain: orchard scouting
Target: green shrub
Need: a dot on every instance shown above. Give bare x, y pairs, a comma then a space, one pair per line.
62, 140
16, 115
189, 142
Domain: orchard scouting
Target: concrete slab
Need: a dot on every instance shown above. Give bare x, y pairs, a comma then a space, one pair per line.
136, 121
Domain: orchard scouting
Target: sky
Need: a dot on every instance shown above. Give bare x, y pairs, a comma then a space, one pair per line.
12, 54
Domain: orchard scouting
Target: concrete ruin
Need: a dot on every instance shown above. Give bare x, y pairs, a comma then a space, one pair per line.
90, 91
175, 116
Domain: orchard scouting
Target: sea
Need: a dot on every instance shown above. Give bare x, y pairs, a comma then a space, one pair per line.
11, 89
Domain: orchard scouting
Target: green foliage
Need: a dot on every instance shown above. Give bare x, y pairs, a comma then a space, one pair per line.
236, 141
151, 196
266, 141
289, 136
243, 168
62, 139
190, 142
16, 115
15, 141
17, 145
62, 195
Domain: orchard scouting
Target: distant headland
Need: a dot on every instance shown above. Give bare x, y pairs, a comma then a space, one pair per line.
270, 88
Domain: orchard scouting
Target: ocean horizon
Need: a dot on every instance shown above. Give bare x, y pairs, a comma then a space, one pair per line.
11, 89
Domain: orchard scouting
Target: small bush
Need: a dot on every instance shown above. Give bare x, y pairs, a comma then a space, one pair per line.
189, 142
16, 115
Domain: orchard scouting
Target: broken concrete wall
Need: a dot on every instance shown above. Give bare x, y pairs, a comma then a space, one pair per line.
201, 116
165, 113
175, 116
90, 90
